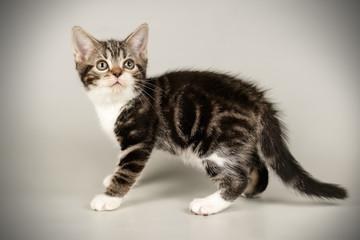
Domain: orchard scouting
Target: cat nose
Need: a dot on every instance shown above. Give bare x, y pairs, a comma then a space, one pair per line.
117, 72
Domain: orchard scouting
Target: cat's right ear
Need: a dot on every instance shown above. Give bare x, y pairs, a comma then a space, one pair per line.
83, 44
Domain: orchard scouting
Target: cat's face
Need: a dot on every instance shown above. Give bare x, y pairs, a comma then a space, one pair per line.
111, 67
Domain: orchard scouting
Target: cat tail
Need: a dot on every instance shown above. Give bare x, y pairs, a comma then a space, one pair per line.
274, 151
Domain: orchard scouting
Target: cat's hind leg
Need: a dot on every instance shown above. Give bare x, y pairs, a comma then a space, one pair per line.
258, 178
231, 183
211, 204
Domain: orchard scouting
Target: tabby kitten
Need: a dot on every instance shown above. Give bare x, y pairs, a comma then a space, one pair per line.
216, 122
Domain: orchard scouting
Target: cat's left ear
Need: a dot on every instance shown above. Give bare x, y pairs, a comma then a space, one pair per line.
138, 40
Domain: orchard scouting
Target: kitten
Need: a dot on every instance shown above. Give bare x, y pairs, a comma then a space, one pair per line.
219, 123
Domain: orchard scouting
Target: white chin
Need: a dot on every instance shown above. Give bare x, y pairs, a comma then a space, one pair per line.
117, 88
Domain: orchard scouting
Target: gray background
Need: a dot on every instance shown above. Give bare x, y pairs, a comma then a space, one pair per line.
54, 155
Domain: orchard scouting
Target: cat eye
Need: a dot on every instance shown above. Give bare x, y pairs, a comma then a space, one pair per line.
129, 64
101, 65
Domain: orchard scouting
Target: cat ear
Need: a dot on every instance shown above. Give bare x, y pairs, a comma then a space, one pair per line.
83, 44
138, 40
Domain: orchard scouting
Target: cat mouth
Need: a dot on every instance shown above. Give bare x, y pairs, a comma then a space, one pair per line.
117, 84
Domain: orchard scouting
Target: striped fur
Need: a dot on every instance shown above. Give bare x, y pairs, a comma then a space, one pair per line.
222, 124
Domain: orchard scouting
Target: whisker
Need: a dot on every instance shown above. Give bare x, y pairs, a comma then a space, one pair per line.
157, 87
149, 86
141, 100
149, 95
142, 93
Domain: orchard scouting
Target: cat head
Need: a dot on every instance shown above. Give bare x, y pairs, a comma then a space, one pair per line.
111, 67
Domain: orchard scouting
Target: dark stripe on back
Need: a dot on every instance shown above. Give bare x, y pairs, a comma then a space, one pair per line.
230, 121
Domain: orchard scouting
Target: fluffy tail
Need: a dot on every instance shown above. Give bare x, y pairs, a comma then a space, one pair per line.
276, 154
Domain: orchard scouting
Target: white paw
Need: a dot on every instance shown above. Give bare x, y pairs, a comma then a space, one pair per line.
209, 205
107, 180
103, 202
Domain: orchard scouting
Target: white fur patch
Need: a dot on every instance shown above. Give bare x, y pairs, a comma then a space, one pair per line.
109, 100
102, 202
210, 205
216, 159
190, 157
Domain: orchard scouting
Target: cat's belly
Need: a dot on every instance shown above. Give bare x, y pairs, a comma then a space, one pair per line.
189, 157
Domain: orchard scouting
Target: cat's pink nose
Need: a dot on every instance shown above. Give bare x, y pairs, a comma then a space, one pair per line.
116, 72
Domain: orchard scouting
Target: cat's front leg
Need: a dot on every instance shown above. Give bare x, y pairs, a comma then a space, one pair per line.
132, 162
103, 202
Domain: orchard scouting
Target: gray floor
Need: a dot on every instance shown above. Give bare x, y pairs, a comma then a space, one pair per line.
157, 208
53, 155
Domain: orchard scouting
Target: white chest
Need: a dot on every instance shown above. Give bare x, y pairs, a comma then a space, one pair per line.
108, 106
107, 116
